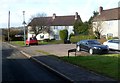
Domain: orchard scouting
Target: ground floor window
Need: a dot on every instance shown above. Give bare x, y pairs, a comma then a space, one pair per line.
56, 37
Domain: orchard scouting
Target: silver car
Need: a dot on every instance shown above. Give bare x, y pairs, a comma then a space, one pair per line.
113, 44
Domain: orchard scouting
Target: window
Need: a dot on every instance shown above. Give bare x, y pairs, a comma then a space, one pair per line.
41, 36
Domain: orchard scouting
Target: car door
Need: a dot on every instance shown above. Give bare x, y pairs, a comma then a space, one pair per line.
82, 45
85, 45
110, 44
115, 44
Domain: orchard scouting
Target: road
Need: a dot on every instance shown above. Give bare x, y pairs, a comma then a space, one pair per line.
17, 68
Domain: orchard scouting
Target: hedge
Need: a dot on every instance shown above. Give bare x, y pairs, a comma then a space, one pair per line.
63, 34
75, 39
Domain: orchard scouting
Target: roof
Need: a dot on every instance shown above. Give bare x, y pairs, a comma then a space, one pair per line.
58, 21
110, 14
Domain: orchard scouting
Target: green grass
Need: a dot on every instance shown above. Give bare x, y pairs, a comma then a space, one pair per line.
104, 64
21, 43
42, 43
50, 42
56, 42
18, 43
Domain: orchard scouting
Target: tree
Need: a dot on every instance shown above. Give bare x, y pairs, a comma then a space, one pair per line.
80, 27
77, 25
90, 21
95, 13
13, 32
97, 28
39, 23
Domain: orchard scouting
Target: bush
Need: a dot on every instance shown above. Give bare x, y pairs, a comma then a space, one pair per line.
17, 39
64, 34
115, 37
72, 34
75, 39
110, 37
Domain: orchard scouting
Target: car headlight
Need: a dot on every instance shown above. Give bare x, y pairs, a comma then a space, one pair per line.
107, 46
97, 48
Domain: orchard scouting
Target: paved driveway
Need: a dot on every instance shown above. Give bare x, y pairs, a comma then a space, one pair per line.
57, 49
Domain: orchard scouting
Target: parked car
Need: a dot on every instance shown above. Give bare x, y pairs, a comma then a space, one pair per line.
113, 44
92, 46
31, 41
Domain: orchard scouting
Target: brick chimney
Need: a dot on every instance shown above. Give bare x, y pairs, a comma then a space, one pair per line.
76, 15
100, 9
54, 16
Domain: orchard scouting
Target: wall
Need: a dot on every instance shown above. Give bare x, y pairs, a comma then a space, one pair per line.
53, 34
108, 27
56, 30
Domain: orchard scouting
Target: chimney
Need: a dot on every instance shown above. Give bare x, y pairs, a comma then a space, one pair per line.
76, 15
100, 9
54, 16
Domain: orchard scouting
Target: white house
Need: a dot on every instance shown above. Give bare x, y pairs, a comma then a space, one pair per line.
108, 21
55, 23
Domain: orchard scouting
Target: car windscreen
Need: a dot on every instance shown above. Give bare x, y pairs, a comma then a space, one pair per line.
115, 41
94, 42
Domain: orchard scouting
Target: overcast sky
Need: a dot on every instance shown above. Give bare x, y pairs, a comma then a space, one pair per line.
84, 8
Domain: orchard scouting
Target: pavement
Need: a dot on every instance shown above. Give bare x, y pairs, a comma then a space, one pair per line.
67, 70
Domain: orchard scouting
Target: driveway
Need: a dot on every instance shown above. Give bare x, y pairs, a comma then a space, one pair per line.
57, 49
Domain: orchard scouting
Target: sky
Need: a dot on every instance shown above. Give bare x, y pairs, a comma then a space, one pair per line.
84, 8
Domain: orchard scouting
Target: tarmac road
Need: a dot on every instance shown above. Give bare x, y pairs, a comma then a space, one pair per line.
17, 68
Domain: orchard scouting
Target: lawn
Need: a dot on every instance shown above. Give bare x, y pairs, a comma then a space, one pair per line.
106, 65
51, 42
18, 43
21, 43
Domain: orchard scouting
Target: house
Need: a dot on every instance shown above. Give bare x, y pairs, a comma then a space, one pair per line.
108, 21
55, 24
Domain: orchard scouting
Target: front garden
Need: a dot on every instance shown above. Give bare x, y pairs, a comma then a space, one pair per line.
107, 65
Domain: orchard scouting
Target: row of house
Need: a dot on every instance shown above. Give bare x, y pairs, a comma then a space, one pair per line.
107, 21
55, 24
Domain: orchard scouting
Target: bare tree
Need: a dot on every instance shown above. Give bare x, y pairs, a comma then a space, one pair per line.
98, 28
38, 23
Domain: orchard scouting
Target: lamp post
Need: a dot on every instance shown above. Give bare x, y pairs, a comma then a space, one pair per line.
24, 23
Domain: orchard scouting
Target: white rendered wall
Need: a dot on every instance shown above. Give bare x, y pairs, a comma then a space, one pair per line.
108, 27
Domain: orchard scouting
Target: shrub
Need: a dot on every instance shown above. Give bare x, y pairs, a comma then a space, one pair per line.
115, 37
72, 34
110, 37
64, 34
75, 39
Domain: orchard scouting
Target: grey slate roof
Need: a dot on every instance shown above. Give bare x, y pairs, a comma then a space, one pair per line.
58, 21
110, 14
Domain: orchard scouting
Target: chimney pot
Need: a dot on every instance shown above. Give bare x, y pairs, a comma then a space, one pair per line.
100, 9
76, 15
54, 16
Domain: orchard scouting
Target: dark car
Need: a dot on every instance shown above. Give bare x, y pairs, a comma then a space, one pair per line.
92, 46
31, 41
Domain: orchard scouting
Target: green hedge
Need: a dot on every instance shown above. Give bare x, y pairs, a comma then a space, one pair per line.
64, 34
75, 39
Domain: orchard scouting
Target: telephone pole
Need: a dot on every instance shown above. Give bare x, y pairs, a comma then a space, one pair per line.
9, 26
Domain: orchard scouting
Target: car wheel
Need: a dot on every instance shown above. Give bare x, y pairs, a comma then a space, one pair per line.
36, 43
78, 48
91, 51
